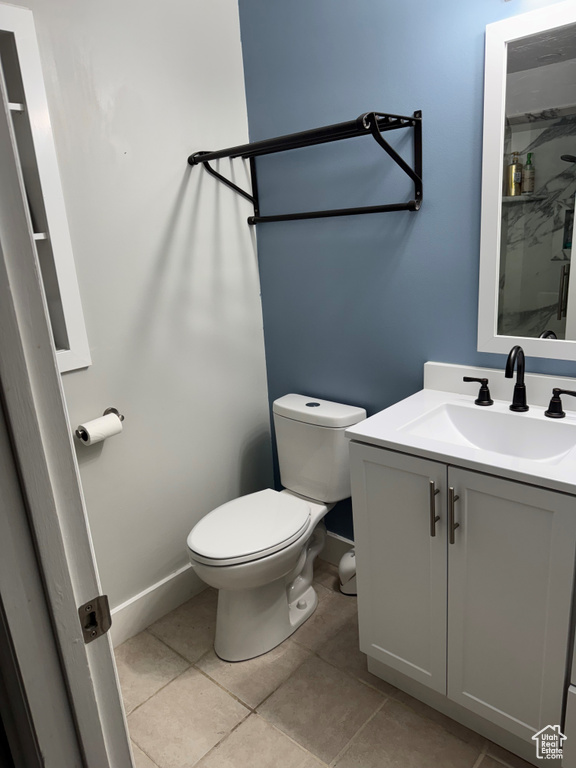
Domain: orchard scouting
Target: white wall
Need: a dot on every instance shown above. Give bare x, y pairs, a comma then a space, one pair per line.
167, 272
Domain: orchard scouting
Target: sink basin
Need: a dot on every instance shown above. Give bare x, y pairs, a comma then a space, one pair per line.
508, 433
513, 434
448, 427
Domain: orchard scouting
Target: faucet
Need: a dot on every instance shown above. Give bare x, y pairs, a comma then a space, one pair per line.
516, 358
555, 410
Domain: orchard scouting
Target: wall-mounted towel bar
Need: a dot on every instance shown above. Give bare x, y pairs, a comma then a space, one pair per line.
370, 123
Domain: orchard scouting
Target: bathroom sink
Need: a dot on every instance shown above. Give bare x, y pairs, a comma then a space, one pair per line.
449, 427
512, 434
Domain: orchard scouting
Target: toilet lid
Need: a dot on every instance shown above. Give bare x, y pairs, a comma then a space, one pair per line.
250, 527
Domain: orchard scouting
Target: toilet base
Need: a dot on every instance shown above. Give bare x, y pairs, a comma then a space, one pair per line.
262, 602
303, 608
252, 622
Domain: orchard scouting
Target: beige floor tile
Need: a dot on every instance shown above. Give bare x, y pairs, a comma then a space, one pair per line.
182, 722
257, 744
140, 759
326, 574
257, 678
342, 651
190, 628
502, 755
313, 762
144, 666
456, 729
489, 762
397, 737
322, 591
320, 708
328, 618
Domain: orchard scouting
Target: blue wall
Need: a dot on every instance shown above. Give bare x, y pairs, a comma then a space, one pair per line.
354, 306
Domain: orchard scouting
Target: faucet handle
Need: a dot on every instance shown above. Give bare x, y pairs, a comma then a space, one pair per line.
484, 394
555, 410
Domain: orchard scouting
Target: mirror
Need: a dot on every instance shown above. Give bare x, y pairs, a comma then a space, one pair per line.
527, 295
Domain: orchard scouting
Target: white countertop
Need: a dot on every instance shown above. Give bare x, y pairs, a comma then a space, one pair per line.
413, 426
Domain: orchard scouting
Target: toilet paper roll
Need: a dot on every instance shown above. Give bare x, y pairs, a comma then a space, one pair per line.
99, 429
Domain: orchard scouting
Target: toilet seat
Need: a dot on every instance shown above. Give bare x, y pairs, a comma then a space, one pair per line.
249, 528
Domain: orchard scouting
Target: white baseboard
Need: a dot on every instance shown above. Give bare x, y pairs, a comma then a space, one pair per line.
143, 609
335, 547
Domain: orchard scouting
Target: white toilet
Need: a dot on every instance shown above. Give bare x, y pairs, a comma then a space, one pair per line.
259, 550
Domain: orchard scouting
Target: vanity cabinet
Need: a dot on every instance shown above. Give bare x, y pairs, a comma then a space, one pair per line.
478, 611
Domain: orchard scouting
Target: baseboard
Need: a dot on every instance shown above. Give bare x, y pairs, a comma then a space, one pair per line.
143, 609
335, 547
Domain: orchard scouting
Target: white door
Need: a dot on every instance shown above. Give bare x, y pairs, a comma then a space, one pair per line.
401, 565
511, 570
44, 458
25, 636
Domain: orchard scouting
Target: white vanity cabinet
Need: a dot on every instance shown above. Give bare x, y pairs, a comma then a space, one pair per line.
401, 569
484, 620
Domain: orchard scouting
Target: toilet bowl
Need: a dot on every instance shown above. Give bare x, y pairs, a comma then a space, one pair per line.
259, 550
265, 580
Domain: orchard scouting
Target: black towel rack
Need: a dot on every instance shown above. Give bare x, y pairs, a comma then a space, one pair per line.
370, 123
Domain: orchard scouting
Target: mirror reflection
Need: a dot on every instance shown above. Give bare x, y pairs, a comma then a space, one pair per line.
537, 298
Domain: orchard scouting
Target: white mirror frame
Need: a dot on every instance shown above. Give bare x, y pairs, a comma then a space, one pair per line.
498, 35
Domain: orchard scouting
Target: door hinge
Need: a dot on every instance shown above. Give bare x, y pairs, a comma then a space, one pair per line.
95, 618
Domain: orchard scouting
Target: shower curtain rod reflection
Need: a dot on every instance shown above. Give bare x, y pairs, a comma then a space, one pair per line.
370, 123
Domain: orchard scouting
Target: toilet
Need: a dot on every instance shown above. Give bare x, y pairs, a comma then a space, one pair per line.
259, 550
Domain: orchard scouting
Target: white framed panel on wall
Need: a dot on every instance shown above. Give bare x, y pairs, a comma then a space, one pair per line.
24, 96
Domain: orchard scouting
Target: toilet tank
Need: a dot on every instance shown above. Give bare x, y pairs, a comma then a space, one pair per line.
312, 446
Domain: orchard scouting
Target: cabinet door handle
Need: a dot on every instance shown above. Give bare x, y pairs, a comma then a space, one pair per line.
452, 498
433, 516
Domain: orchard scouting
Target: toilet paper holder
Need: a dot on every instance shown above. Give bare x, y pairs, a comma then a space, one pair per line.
113, 410
80, 433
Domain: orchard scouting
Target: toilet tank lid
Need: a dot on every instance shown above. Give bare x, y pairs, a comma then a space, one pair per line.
312, 410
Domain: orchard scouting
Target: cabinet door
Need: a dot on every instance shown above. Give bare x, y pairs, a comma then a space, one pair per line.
401, 567
510, 586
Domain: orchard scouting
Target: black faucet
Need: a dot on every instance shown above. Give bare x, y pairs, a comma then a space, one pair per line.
516, 358
555, 410
484, 394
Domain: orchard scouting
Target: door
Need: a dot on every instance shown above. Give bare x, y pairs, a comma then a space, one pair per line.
511, 571
44, 460
401, 561
34, 703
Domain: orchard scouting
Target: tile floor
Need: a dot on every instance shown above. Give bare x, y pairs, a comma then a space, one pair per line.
307, 704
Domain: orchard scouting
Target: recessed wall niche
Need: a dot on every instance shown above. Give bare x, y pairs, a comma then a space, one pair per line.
24, 96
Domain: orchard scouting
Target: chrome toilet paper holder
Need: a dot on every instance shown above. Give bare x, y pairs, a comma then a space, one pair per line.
113, 410
79, 432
